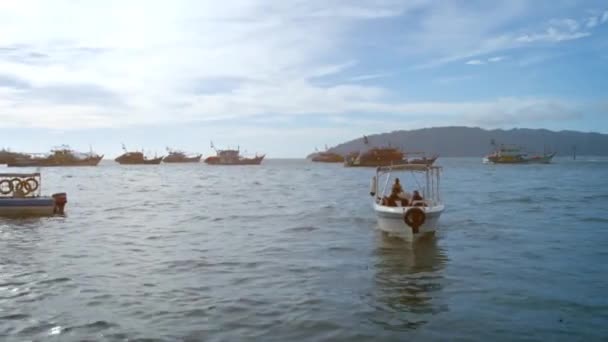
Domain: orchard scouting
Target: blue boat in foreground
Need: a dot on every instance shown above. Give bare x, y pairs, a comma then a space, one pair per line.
20, 196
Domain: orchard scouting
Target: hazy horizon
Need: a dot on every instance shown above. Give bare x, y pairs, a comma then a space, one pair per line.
286, 78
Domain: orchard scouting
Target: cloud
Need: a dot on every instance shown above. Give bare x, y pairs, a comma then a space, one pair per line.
551, 35
496, 59
604, 17
475, 62
472, 35
484, 61
367, 77
592, 22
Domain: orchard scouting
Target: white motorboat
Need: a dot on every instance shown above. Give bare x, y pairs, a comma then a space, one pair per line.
409, 217
20, 196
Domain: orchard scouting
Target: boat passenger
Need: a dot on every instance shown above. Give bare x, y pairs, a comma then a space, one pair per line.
397, 194
417, 197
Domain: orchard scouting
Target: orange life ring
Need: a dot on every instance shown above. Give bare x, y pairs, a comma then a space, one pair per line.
414, 218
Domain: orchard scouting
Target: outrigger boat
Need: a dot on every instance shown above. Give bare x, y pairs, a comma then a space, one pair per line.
20, 196
408, 218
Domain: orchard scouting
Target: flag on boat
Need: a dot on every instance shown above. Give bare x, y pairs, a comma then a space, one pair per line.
365, 140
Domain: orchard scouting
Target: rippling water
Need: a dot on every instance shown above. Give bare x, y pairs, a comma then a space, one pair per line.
289, 251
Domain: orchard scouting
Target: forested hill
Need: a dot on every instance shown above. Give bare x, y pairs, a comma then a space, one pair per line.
475, 142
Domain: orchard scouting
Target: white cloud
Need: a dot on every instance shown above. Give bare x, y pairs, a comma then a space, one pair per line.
592, 22
455, 33
551, 35
475, 62
496, 59
604, 17
118, 63
368, 77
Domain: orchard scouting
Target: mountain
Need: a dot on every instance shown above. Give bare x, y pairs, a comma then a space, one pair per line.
476, 142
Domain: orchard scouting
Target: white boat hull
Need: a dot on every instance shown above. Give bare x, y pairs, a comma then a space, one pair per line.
391, 221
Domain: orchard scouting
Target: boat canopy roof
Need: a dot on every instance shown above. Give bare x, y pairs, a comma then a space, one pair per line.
408, 167
22, 175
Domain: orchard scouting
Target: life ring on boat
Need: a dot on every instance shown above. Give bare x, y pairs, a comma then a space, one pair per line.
33, 184
414, 218
3, 190
24, 187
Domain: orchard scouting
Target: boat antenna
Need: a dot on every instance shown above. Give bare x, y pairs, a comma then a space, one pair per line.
124, 148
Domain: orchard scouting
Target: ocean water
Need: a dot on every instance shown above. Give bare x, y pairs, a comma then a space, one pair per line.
289, 251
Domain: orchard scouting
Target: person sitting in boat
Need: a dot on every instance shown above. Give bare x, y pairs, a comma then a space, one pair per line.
397, 194
416, 197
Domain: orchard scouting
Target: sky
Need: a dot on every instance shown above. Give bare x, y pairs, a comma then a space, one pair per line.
286, 77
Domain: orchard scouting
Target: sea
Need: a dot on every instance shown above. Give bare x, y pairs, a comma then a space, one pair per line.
290, 251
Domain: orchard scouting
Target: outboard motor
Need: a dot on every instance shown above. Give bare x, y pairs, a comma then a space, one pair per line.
60, 200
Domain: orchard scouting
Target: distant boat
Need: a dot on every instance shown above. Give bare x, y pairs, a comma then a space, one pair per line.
136, 158
384, 156
7, 156
181, 157
232, 157
511, 154
326, 157
62, 156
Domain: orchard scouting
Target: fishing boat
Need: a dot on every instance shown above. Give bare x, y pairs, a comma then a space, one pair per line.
325, 156
232, 157
385, 156
61, 156
136, 158
7, 156
176, 156
403, 214
512, 154
20, 196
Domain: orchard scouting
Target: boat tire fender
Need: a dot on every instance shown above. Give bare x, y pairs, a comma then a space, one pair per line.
8, 189
414, 218
33, 183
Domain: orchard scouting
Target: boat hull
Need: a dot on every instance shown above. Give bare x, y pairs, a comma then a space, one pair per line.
391, 221
242, 161
154, 161
175, 160
24, 207
49, 162
522, 160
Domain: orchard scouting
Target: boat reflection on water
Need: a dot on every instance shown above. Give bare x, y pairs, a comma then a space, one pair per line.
407, 283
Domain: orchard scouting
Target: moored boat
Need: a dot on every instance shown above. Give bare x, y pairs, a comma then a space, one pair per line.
327, 157
20, 196
512, 154
136, 158
385, 156
402, 214
232, 157
7, 156
175, 156
62, 156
